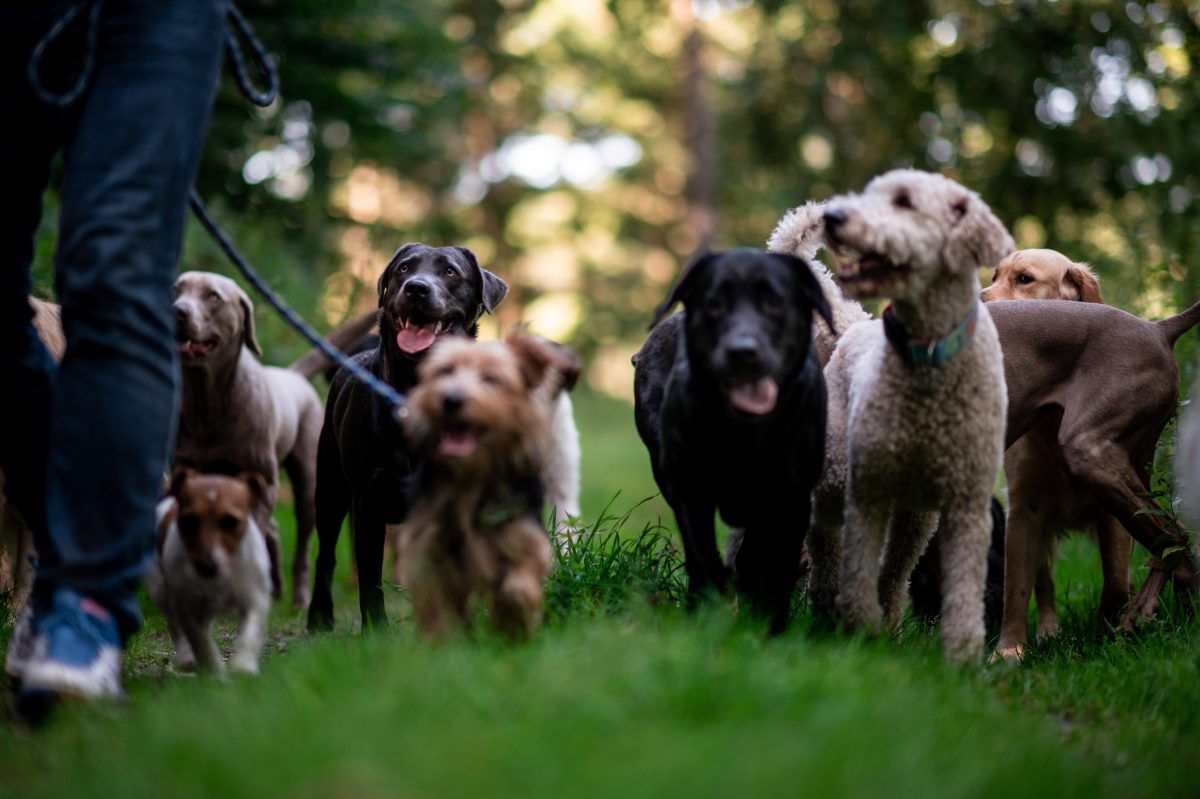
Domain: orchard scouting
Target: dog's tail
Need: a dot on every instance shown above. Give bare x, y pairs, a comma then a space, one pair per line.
1179, 324
801, 232
345, 337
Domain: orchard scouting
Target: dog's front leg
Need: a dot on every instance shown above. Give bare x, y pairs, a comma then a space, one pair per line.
702, 561
908, 535
370, 528
858, 595
768, 563
825, 548
199, 635
1022, 561
966, 535
185, 658
252, 629
264, 514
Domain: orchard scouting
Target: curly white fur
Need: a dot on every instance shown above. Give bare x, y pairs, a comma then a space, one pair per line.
801, 232
907, 445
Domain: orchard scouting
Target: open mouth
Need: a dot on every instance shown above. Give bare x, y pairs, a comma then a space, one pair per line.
193, 349
867, 274
757, 396
413, 337
458, 441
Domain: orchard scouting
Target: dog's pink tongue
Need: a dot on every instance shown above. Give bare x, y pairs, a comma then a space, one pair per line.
757, 398
414, 339
458, 444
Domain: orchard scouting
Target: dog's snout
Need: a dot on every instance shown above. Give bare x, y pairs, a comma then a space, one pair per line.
182, 312
205, 567
417, 287
743, 351
834, 218
452, 403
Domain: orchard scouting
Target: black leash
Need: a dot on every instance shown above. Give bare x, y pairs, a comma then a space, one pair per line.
238, 28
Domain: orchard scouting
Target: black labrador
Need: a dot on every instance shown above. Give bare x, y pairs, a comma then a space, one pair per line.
730, 402
364, 464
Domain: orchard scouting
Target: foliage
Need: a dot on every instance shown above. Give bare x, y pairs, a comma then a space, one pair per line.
486, 124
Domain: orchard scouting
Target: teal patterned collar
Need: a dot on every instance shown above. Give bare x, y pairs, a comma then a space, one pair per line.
929, 351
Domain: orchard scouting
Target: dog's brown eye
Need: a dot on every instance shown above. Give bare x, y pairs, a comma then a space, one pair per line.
444, 371
189, 526
902, 200
450, 272
491, 378
715, 305
213, 296
1024, 279
403, 268
228, 524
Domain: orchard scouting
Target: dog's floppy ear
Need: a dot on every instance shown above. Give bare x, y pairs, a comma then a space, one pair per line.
1080, 281
977, 237
494, 290
256, 483
249, 338
544, 362
178, 477
693, 276
808, 289
392, 266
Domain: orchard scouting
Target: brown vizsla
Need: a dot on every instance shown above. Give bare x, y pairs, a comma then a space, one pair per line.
1107, 382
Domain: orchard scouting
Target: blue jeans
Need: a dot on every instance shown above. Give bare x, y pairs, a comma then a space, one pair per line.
84, 444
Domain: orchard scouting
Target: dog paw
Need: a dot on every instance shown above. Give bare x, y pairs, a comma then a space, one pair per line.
1047, 629
1008, 654
244, 665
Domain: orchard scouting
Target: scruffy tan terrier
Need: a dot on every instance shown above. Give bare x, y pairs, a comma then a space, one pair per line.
481, 417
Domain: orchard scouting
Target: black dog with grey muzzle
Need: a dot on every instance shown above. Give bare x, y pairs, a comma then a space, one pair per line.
730, 402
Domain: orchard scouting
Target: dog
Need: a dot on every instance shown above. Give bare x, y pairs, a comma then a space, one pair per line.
1042, 275
1127, 414
16, 539
211, 560
730, 404
801, 232
240, 416
917, 406
480, 422
561, 477
1044, 501
1108, 382
365, 463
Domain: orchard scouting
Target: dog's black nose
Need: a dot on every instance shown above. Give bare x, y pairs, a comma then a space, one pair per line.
743, 351
417, 287
452, 403
834, 218
182, 312
205, 567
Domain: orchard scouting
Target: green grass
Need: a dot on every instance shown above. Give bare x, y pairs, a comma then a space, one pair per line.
624, 694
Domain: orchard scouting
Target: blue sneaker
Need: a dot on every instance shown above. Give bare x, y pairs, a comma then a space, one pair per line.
76, 652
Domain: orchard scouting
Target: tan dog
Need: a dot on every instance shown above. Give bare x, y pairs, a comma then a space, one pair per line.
1042, 275
1044, 500
212, 560
481, 416
16, 540
240, 416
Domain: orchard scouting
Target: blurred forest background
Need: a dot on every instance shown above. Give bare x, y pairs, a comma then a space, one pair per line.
587, 149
